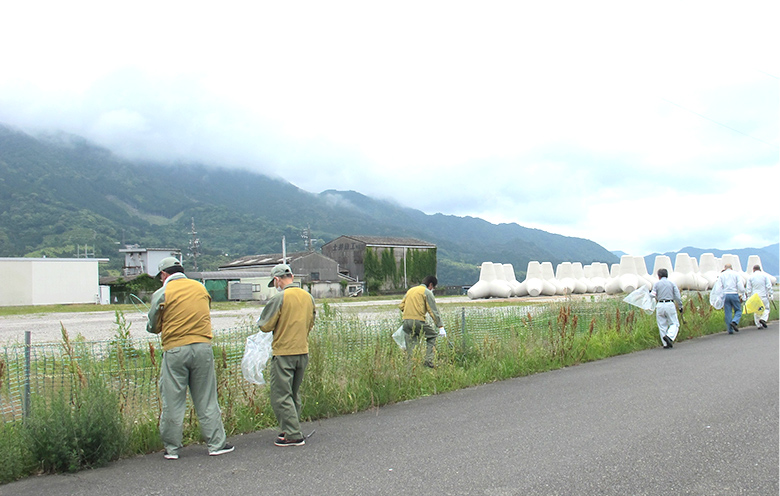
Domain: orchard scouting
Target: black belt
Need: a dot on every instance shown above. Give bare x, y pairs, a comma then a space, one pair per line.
665, 301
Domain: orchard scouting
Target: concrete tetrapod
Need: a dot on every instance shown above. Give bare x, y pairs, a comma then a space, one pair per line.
709, 268
736, 266
754, 260
613, 282
534, 283
594, 273
549, 277
579, 274
641, 272
482, 288
628, 279
564, 275
511, 278
685, 276
500, 287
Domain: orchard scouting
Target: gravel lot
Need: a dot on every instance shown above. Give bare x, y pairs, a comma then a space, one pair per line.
99, 325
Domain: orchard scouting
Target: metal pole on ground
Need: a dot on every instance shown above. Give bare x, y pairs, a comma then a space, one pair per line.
463, 328
27, 342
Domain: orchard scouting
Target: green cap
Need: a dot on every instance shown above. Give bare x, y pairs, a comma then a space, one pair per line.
280, 270
167, 263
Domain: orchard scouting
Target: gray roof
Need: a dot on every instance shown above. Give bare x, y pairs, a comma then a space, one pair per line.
267, 260
389, 241
229, 274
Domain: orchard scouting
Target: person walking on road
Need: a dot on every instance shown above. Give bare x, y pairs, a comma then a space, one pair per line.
181, 313
667, 294
760, 283
289, 315
418, 302
733, 295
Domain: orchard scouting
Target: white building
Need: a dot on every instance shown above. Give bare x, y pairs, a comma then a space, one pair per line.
145, 260
50, 281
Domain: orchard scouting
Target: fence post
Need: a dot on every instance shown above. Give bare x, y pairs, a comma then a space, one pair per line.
463, 328
27, 341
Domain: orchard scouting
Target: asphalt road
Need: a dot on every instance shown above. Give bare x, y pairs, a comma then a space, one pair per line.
699, 419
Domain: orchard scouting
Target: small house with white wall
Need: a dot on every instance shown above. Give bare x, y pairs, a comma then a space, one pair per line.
145, 260
51, 281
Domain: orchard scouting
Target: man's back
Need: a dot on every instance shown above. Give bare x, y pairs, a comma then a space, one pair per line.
290, 316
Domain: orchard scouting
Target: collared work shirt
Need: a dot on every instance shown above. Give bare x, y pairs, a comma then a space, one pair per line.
418, 301
180, 312
760, 283
290, 316
665, 289
731, 282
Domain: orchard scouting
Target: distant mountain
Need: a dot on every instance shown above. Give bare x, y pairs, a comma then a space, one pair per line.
770, 256
59, 193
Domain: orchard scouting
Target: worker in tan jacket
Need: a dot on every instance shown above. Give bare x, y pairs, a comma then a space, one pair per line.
418, 302
181, 313
289, 314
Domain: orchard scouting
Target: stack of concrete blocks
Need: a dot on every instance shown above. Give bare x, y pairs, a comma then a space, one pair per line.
499, 280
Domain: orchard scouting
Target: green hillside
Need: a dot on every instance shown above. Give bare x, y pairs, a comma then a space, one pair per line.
59, 192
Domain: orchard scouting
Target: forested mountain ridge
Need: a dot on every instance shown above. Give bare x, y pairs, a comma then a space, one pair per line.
58, 192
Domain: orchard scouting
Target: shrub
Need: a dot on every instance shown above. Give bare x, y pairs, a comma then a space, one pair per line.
85, 430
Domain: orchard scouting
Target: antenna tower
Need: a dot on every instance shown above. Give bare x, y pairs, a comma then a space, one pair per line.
306, 235
194, 245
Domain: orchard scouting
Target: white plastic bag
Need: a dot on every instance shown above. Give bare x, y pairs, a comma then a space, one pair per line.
399, 338
641, 298
716, 296
256, 355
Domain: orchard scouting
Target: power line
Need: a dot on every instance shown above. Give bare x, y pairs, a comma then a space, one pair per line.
721, 124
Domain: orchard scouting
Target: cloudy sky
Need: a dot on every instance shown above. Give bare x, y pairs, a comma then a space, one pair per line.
645, 127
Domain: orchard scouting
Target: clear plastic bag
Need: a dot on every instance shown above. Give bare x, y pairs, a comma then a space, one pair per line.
256, 355
716, 296
641, 298
399, 337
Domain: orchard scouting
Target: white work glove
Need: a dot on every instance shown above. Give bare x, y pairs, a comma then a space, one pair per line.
442, 332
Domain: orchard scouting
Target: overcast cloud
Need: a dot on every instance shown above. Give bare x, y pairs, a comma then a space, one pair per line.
645, 127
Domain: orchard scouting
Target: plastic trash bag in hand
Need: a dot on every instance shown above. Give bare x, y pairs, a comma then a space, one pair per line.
399, 338
641, 298
716, 296
256, 355
754, 304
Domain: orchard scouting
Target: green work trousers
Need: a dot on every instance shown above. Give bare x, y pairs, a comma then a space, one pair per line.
286, 377
414, 331
190, 366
